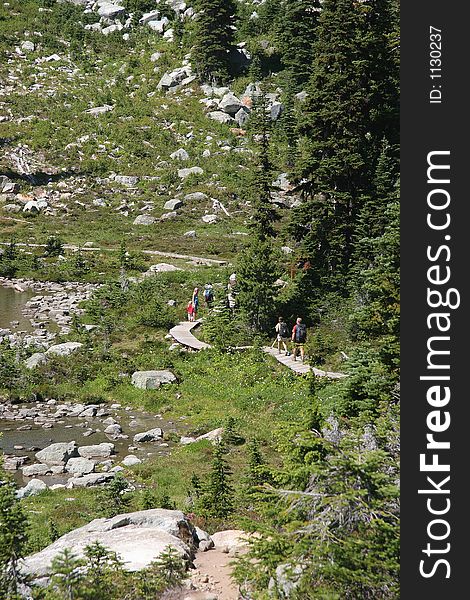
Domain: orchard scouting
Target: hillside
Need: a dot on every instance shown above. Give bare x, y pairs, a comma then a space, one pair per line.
151, 148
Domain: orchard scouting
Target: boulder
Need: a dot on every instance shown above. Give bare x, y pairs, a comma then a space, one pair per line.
230, 540
58, 453
89, 480
152, 435
138, 538
99, 110
276, 111
242, 116
180, 154
32, 488
127, 180
220, 117
150, 16
36, 359
230, 104
109, 10
144, 220
103, 450
113, 429
196, 196
13, 463
80, 466
36, 470
190, 234
173, 204
210, 219
158, 25
168, 216
130, 460
151, 380
183, 173
161, 268
64, 349
27, 46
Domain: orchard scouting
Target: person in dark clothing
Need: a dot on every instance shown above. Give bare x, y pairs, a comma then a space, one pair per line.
299, 337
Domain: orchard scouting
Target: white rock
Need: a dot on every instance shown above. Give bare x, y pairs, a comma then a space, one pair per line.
80, 466
58, 453
210, 219
36, 359
152, 435
64, 349
138, 538
32, 488
144, 220
183, 173
130, 460
173, 204
103, 450
180, 154
220, 117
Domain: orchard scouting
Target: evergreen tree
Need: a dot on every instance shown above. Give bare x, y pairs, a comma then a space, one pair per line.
348, 107
214, 39
297, 37
256, 274
217, 498
13, 538
67, 575
264, 211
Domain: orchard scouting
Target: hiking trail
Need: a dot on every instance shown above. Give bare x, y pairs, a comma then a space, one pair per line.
182, 333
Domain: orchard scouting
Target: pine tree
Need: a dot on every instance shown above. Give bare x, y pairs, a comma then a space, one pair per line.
348, 107
214, 39
297, 37
217, 499
13, 538
264, 211
256, 274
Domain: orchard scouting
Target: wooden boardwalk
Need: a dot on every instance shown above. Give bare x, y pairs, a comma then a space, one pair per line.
182, 334
298, 366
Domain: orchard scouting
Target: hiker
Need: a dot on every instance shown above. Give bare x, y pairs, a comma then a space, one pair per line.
208, 295
190, 311
299, 337
282, 335
195, 301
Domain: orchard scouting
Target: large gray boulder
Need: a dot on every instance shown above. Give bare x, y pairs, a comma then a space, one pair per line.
89, 480
180, 154
183, 173
151, 380
144, 220
173, 204
108, 10
153, 435
220, 117
36, 359
103, 450
80, 466
230, 104
64, 349
58, 453
32, 488
138, 538
36, 470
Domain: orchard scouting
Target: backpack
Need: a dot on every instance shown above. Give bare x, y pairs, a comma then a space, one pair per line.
208, 295
300, 333
284, 330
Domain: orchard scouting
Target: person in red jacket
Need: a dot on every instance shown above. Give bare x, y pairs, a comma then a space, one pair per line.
299, 337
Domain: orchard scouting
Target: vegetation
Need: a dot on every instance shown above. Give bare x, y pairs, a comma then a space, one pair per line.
306, 204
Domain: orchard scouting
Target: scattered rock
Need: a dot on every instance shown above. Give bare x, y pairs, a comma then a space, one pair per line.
64, 349
210, 219
36, 359
220, 117
58, 453
80, 466
180, 154
103, 450
32, 488
183, 173
153, 435
130, 460
144, 220
150, 380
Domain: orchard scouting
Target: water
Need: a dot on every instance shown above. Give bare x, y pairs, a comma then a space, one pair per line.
72, 429
11, 305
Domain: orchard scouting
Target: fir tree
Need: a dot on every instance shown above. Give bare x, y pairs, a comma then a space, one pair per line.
347, 109
217, 499
256, 274
264, 211
296, 38
214, 39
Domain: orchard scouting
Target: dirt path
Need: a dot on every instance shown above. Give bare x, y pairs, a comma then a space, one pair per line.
211, 579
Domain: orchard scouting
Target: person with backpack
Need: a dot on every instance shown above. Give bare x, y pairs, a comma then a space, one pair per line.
299, 337
282, 335
208, 295
195, 301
